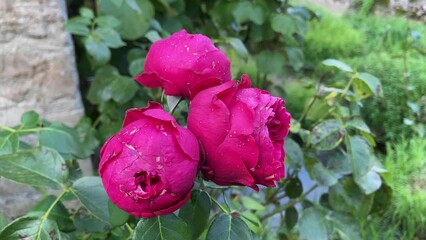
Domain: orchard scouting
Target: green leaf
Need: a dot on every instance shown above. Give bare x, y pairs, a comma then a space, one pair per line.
296, 57
77, 28
251, 203
312, 224
239, 47
294, 154
252, 221
9, 144
283, 23
3, 222
346, 226
117, 2
226, 227
100, 89
369, 182
92, 195
327, 135
80, 20
31, 228
153, 36
134, 24
117, 216
58, 214
270, 62
358, 123
248, 11
108, 35
107, 21
360, 155
291, 217
123, 89
38, 167
63, 139
337, 64
335, 160
366, 84
196, 212
166, 227
86, 12
97, 49
136, 66
346, 196
84, 221
294, 188
30, 119
319, 173
172, 102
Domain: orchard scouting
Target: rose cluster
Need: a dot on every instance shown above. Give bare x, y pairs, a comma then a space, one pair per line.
234, 136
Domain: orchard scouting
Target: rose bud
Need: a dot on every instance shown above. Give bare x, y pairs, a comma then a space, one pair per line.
184, 64
148, 168
242, 131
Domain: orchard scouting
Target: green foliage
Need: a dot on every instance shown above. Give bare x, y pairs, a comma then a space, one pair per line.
406, 164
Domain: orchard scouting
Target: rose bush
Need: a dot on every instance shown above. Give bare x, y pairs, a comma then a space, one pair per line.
242, 131
184, 64
149, 167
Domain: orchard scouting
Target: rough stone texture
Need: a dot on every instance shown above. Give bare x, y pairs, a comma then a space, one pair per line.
37, 72
37, 63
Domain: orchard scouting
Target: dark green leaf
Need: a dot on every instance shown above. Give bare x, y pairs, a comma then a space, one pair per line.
117, 216
270, 62
63, 139
134, 24
111, 38
77, 28
80, 20
346, 196
239, 47
97, 49
100, 89
9, 144
295, 57
117, 2
107, 21
133, 5
31, 228
86, 222
294, 188
30, 119
166, 227
226, 227
58, 213
312, 224
346, 226
196, 212
338, 64
327, 135
291, 217
294, 154
3, 222
86, 12
39, 167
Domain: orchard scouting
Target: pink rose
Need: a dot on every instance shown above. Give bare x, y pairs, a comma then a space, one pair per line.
242, 131
184, 64
149, 167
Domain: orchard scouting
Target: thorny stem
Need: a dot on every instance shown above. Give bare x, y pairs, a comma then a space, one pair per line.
130, 229
47, 213
7, 128
291, 203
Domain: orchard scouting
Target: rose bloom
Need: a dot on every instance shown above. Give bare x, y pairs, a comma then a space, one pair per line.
184, 64
242, 131
149, 167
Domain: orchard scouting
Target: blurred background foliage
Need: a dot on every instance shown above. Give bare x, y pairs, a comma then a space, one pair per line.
355, 154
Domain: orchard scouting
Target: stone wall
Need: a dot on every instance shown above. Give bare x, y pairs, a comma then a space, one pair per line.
37, 62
